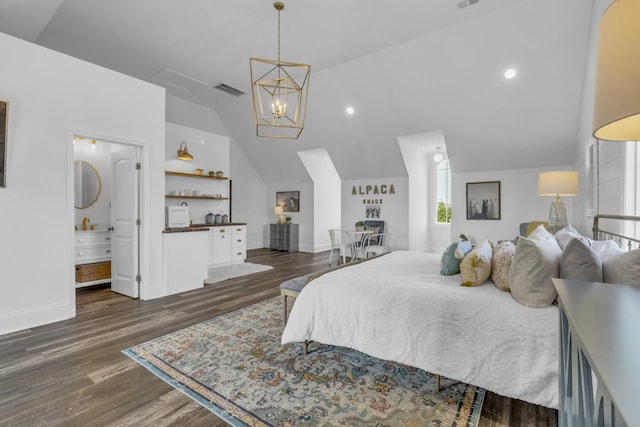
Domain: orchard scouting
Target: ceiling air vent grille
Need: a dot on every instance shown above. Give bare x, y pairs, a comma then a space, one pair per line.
464, 3
230, 89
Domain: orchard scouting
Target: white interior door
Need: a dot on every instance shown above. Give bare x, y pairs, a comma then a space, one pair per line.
124, 222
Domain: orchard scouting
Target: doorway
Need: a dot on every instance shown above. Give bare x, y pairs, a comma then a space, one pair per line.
106, 213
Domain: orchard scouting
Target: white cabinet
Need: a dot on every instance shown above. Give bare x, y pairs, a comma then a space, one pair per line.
185, 260
239, 243
92, 257
221, 246
227, 244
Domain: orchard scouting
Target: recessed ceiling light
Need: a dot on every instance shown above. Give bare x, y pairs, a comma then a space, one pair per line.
350, 110
510, 73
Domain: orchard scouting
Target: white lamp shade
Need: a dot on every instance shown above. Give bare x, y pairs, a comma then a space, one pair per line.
278, 210
561, 183
616, 112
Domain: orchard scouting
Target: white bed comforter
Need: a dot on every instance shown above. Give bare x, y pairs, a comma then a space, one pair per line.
398, 307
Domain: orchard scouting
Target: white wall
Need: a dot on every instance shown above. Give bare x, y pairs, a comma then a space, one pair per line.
211, 153
249, 191
393, 207
37, 215
519, 202
327, 197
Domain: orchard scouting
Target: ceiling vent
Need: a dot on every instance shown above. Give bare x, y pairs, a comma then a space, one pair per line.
230, 90
464, 3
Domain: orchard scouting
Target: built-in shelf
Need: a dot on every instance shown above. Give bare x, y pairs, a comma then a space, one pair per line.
168, 196
193, 175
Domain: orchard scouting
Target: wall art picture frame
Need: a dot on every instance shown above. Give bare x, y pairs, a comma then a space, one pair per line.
483, 200
289, 200
4, 121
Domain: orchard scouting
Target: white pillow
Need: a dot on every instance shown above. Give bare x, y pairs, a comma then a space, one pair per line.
475, 267
606, 248
535, 262
623, 268
565, 234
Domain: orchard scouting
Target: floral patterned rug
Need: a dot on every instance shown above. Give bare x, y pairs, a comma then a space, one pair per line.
235, 366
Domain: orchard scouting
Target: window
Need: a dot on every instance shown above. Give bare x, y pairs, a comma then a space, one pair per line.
443, 192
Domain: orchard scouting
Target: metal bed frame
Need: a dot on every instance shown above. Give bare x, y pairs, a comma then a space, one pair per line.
600, 234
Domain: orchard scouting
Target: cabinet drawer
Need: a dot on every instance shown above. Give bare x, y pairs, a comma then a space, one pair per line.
239, 229
239, 253
93, 253
92, 238
239, 240
221, 231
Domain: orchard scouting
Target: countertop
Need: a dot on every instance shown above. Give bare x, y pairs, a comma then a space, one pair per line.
200, 227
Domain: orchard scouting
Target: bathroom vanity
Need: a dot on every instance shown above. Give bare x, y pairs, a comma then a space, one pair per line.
92, 257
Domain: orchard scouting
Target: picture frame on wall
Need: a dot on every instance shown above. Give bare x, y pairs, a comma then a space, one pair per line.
483, 200
4, 111
289, 200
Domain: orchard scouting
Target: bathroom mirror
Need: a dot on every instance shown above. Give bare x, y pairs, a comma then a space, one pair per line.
87, 184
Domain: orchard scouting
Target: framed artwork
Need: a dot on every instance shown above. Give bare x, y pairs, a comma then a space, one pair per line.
372, 212
4, 109
483, 200
289, 200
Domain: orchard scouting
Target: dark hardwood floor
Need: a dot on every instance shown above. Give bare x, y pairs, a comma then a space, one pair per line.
72, 373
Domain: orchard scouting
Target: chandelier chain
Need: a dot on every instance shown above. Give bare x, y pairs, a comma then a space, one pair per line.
278, 35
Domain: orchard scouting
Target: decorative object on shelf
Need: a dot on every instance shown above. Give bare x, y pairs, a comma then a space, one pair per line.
616, 110
287, 219
212, 173
558, 183
225, 219
210, 218
438, 157
279, 91
199, 171
483, 200
219, 174
4, 110
289, 200
183, 152
359, 225
278, 212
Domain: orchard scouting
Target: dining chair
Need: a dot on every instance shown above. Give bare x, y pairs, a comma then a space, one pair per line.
340, 242
376, 244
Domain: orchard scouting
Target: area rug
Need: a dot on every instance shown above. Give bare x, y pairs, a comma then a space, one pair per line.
235, 366
232, 271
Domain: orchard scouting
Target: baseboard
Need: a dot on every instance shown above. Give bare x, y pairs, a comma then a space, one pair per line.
33, 316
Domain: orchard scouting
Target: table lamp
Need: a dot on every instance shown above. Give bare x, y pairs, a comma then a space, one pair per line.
278, 210
557, 183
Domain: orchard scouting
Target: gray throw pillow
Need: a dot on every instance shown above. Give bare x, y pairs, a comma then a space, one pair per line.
580, 261
535, 261
623, 268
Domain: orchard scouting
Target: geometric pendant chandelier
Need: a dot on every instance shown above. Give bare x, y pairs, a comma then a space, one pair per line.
279, 91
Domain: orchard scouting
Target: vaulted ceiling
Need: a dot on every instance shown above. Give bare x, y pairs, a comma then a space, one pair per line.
406, 67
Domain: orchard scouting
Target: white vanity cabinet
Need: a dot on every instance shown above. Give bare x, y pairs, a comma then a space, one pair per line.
227, 244
92, 257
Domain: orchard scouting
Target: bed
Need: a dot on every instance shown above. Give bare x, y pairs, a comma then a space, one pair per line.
398, 307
